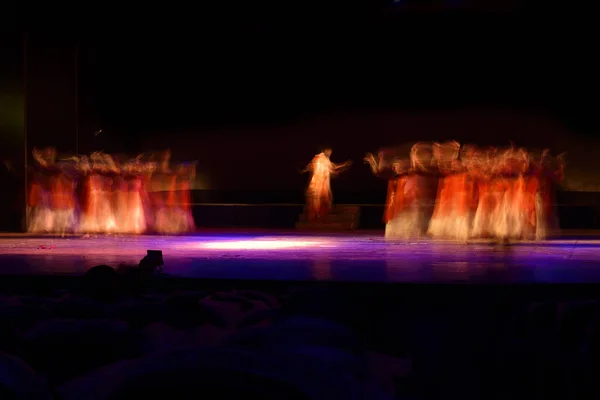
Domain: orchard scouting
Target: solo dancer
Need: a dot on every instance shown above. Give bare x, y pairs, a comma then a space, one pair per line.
318, 194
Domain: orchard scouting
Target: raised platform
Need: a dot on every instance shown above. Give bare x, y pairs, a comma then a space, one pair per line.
341, 218
357, 257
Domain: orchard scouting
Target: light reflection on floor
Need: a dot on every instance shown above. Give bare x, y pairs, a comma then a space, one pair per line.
312, 257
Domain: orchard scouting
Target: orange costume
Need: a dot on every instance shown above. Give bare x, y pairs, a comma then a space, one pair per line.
486, 199
530, 194
408, 191
451, 216
396, 198
452, 213
176, 214
318, 194
39, 202
40, 196
63, 202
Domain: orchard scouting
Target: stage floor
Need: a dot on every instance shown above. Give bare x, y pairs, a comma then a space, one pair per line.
305, 257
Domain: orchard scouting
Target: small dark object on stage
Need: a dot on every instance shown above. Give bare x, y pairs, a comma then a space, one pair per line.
155, 256
152, 262
134, 278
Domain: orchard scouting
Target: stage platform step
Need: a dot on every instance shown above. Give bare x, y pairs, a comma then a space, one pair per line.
326, 226
341, 218
331, 218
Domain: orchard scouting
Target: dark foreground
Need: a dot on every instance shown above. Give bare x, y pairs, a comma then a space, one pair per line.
299, 317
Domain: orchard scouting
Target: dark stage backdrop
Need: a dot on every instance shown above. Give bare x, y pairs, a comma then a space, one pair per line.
51, 96
270, 158
52, 113
38, 108
275, 84
12, 133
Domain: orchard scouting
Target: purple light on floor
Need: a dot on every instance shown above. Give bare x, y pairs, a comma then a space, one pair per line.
340, 257
264, 244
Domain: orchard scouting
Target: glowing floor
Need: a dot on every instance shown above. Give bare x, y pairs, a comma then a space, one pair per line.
311, 257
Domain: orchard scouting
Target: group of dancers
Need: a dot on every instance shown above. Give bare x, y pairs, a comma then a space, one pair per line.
444, 191
101, 193
456, 192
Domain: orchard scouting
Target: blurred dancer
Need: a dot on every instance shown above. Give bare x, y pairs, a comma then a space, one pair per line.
518, 221
127, 199
99, 216
120, 197
318, 194
530, 194
84, 185
136, 217
40, 218
482, 170
409, 191
451, 215
187, 174
162, 196
63, 199
421, 189
147, 173
395, 171
176, 214
508, 215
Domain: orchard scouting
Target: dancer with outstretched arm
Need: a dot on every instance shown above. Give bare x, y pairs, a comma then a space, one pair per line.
318, 194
